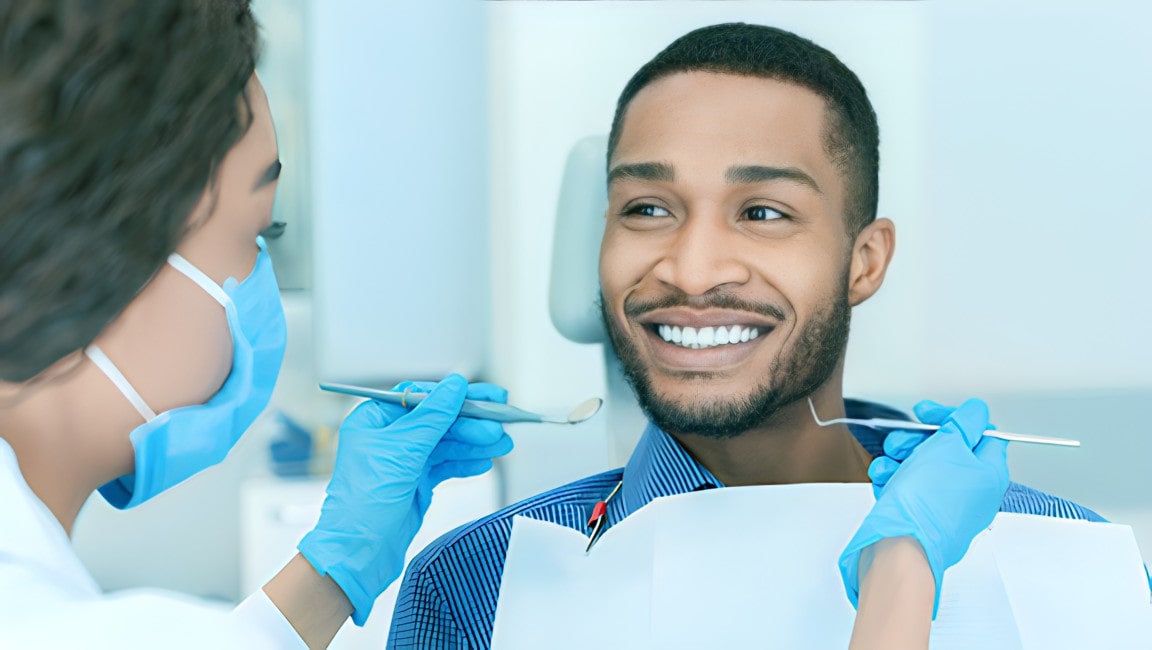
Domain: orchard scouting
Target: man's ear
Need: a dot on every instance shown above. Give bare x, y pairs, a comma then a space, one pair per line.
870, 257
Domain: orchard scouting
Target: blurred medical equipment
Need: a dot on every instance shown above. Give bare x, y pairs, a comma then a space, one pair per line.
290, 452
480, 410
382, 484
908, 425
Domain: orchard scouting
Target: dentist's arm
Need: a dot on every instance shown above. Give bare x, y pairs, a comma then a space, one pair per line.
935, 493
388, 460
896, 592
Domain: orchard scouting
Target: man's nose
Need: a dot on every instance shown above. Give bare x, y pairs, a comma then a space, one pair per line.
702, 255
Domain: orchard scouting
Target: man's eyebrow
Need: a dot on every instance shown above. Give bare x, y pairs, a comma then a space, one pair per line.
269, 175
649, 171
761, 173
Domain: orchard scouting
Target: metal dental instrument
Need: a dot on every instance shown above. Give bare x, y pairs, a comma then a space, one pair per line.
473, 408
907, 425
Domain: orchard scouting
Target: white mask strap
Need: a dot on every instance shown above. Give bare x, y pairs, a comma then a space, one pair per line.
113, 373
194, 274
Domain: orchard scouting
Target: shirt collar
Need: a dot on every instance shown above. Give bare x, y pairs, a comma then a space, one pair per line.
661, 467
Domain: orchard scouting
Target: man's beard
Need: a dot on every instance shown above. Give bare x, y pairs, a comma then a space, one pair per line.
794, 374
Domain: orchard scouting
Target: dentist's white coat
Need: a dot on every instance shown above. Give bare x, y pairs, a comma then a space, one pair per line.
49, 600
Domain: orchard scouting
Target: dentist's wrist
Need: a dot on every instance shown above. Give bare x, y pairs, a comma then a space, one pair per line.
897, 594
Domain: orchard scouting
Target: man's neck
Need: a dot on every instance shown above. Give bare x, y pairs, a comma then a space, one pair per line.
789, 448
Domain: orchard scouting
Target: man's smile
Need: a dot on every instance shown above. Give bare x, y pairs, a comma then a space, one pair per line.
684, 339
707, 337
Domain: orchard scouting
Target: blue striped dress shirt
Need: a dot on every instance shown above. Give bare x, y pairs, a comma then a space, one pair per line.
448, 597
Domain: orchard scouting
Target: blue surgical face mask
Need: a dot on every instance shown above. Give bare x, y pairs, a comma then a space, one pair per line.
174, 445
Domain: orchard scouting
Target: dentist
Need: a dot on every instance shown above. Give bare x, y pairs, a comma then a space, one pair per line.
141, 329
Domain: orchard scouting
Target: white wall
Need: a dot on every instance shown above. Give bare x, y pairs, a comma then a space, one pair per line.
1039, 222
397, 146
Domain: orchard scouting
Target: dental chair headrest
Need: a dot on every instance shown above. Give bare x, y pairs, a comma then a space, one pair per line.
574, 293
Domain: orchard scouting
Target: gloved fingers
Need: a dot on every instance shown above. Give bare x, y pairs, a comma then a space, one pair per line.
970, 420
487, 392
371, 414
881, 471
414, 386
434, 416
457, 469
475, 432
900, 444
450, 450
478, 391
930, 412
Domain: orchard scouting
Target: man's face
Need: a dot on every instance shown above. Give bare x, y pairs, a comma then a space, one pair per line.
724, 264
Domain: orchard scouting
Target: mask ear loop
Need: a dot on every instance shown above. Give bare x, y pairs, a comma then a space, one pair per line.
189, 270
113, 373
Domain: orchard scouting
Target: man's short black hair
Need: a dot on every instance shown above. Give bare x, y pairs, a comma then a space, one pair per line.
114, 116
852, 138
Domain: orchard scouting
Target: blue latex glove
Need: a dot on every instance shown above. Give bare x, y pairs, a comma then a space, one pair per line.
898, 445
941, 489
388, 460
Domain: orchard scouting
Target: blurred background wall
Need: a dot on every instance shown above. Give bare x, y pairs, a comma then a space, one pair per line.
424, 144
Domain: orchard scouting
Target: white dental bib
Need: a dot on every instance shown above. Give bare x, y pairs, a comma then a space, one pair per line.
756, 567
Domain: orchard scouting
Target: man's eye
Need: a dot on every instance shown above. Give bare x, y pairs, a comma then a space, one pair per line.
647, 210
763, 213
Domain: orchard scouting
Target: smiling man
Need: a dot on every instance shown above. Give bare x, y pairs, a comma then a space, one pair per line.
741, 230
730, 262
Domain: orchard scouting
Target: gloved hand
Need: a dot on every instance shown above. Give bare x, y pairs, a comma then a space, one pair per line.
898, 445
388, 460
941, 489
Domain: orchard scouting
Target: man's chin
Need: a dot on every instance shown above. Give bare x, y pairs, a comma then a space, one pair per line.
712, 415
684, 399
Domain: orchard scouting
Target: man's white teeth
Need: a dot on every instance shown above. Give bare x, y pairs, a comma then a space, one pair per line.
706, 337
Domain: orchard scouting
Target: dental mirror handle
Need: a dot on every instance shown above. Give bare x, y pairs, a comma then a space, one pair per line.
472, 408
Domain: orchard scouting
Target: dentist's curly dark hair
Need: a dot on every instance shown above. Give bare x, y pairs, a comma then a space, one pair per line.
114, 116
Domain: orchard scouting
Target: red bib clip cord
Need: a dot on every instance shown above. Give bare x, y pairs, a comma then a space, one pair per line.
599, 512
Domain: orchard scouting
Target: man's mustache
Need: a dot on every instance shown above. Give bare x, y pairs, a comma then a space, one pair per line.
710, 300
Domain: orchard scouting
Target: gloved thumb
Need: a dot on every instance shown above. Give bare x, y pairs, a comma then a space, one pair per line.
432, 417
930, 412
900, 444
971, 420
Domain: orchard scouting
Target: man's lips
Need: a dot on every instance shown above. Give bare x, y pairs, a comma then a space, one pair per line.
680, 317
682, 339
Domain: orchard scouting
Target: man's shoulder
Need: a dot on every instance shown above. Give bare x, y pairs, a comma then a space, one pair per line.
1030, 501
487, 538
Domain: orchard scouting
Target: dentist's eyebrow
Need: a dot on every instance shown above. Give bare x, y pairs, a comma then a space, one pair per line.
269, 176
744, 174
649, 171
